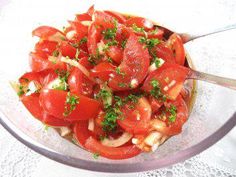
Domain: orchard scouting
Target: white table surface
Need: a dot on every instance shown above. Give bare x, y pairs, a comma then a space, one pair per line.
16, 160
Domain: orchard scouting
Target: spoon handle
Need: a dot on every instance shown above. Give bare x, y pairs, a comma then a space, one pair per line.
225, 82
189, 37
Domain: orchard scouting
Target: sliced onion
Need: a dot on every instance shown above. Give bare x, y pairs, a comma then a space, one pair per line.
64, 131
57, 37
124, 138
91, 125
76, 64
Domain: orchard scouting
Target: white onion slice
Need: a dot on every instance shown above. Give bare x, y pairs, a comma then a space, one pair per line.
64, 131
91, 125
124, 138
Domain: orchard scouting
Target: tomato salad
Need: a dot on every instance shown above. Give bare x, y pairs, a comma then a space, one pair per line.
114, 82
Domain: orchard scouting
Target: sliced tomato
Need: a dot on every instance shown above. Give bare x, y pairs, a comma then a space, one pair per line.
67, 50
151, 34
42, 78
176, 45
171, 78
124, 152
118, 16
140, 22
38, 63
48, 33
103, 19
81, 30
136, 120
134, 66
164, 52
155, 104
79, 83
116, 53
45, 46
81, 131
54, 103
94, 36
175, 127
31, 102
122, 33
83, 17
103, 71
90, 11
84, 61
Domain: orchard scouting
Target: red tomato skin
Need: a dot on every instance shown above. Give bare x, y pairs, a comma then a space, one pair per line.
135, 65
175, 44
94, 36
116, 53
81, 131
173, 72
120, 18
84, 61
130, 123
42, 77
103, 19
31, 102
38, 63
181, 117
67, 50
83, 17
90, 11
155, 104
81, 30
79, 83
140, 22
45, 46
45, 32
165, 53
158, 35
117, 153
103, 71
53, 102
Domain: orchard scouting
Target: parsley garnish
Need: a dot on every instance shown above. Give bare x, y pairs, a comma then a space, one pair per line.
120, 72
173, 112
150, 43
106, 96
77, 54
155, 31
96, 155
137, 29
21, 91
55, 53
110, 43
70, 103
109, 33
93, 59
157, 62
156, 90
121, 84
83, 40
123, 43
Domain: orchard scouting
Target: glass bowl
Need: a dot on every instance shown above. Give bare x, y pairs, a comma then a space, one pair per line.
209, 121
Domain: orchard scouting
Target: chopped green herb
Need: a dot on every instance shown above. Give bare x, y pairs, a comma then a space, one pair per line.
155, 31
150, 43
137, 29
106, 96
109, 33
93, 59
96, 155
123, 43
109, 59
110, 43
76, 45
173, 112
55, 53
120, 72
101, 137
46, 127
156, 90
83, 40
70, 103
62, 38
21, 91
167, 79
157, 62
121, 84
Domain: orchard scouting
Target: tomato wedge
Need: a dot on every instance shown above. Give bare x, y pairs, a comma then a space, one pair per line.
120, 18
181, 117
140, 22
103, 19
116, 54
117, 153
103, 71
81, 131
67, 50
171, 78
45, 46
79, 83
54, 103
38, 63
136, 120
94, 36
176, 45
165, 53
31, 102
48, 33
134, 66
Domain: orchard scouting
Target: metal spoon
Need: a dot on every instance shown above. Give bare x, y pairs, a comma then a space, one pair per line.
193, 74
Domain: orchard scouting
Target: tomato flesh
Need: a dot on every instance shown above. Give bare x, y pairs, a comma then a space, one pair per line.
134, 66
111, 152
